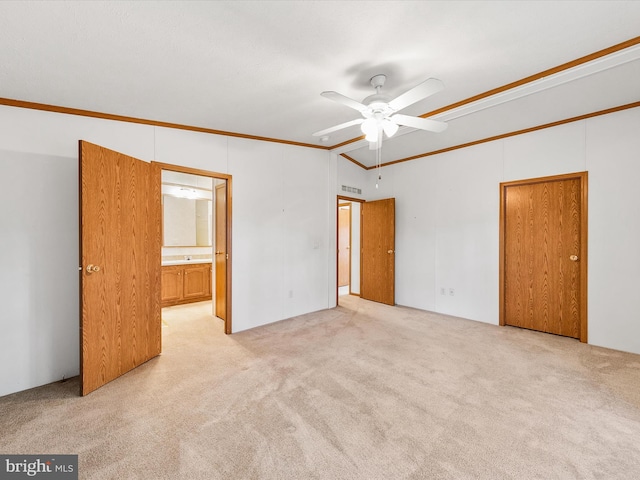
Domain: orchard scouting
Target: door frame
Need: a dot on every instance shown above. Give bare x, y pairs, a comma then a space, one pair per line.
220, 176
342, 199
347, 205
583, 178
214, 242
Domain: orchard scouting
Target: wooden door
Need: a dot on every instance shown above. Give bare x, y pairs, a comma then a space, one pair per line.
378, 251
344, 245
120, 262
543, 255
221, 250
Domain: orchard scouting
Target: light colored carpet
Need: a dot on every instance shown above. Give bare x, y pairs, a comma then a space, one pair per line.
363, 391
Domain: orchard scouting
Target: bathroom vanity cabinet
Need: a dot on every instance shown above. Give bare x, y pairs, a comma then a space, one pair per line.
186, 283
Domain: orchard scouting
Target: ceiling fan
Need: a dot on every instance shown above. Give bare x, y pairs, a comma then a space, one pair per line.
379, 112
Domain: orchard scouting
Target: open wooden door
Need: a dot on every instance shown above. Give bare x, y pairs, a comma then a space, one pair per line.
221, 250
120, 240
378, 251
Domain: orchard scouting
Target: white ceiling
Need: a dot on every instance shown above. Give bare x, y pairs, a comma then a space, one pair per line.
258, 67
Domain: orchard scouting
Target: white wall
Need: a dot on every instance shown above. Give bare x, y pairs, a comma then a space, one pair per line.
446, 231
613, 160
351, 175
38, 269
283, 226
281, 230
447, 221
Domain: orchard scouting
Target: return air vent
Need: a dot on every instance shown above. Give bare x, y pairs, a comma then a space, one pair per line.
351, 189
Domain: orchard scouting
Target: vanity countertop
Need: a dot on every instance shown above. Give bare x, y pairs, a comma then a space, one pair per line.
185, 262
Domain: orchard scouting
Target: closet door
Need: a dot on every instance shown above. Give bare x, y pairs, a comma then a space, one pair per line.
544, 255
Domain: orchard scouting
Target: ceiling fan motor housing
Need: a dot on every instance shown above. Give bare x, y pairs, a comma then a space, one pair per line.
378, 103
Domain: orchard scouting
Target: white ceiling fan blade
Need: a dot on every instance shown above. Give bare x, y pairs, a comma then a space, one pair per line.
418, 122
419, 92
338, 97
326, 131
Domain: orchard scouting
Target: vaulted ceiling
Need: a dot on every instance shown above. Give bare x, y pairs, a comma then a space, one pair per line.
257, 68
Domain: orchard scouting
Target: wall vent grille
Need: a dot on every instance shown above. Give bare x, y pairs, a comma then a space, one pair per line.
345, 188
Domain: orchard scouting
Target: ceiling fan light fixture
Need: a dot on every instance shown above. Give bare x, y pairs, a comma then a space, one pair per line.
372, 137
370, 127
390, 128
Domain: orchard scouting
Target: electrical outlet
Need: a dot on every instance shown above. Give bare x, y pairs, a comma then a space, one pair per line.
442, 291
452, 292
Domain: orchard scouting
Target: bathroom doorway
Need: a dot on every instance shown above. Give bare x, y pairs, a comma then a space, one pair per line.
196, 239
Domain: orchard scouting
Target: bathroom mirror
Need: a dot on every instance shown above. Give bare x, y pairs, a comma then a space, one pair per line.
186, 222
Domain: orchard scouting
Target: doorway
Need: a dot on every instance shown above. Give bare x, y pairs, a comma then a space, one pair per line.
344, 248
212, 240
120, 261
348, 246
543, 254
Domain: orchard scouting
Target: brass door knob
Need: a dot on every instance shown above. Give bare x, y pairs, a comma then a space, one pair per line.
91, 268
573, 258
389, 252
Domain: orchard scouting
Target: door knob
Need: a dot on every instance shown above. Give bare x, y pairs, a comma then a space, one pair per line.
91, 268
389, 251
573, 258
218, 252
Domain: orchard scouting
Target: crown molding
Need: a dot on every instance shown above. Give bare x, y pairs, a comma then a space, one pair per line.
509, 134
599, 61
122, 118
596, 62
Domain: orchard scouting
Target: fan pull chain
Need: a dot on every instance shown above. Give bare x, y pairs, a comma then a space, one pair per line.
379, 154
